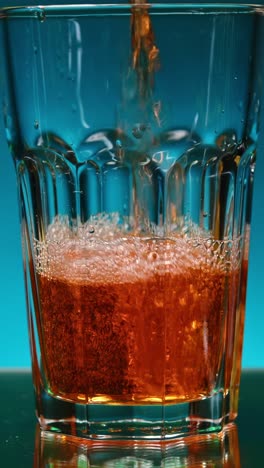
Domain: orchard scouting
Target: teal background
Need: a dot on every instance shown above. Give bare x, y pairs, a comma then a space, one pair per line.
14, 347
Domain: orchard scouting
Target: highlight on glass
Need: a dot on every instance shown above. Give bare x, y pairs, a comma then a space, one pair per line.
133, 129
199, 451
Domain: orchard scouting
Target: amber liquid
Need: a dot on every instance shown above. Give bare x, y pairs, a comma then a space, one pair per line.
145, 54
134, 325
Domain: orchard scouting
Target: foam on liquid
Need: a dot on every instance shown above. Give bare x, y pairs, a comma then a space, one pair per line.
101, 252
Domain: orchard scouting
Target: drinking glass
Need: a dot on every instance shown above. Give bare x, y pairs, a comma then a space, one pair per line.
133, 129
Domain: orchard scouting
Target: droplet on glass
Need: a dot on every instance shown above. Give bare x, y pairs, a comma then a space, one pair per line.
227, 141
41, 15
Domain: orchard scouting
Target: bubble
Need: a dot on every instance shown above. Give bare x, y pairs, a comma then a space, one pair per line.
153, 256
112, 256
120, 248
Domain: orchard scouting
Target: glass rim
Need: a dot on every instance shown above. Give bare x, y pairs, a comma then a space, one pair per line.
42, 12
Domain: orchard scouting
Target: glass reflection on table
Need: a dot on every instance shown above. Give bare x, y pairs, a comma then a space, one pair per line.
202, 451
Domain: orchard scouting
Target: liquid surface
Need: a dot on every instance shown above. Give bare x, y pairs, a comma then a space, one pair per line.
131, 319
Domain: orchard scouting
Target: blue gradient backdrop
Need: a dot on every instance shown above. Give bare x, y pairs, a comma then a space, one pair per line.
14, 347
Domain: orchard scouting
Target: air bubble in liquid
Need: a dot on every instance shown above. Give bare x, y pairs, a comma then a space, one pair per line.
112, 257
153, 256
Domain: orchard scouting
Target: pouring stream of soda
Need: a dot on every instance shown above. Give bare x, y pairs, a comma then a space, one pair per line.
145, 54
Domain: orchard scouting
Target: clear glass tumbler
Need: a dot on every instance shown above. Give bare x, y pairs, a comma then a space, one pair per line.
133, 130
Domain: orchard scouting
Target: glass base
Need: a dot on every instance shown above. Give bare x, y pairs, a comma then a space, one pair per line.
158, 422
216, 450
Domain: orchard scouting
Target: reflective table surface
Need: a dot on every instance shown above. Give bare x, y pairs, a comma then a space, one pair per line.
23, 446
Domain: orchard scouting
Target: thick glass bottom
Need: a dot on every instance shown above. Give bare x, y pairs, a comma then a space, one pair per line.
214, 450
97, 421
